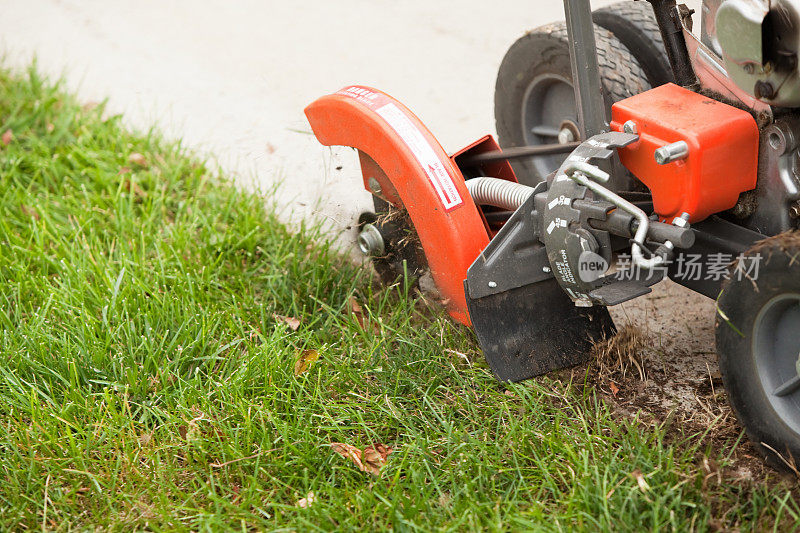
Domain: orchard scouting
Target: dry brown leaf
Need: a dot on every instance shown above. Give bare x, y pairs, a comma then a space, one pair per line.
137, 159
357, 311
305, 360
614, 388
348, 451
375, 456
133, 187
640, 480
370, 459
8, 136
30, 212
355, 307
290, 321
307, 501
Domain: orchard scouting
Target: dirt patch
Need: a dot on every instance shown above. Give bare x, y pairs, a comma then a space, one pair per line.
662, 369
675, 341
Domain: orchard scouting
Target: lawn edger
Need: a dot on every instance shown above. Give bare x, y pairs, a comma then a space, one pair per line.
629, 150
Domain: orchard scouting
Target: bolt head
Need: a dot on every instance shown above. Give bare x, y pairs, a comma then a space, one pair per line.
370, 240
764, 90
661, 156
630, 127
363, 245
672, 152
565, 136
681, 221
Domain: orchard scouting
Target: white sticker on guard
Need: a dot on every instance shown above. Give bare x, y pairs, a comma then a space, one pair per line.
422, 150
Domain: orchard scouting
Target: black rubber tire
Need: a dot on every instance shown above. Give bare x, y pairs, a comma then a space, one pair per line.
546, 51
634, 24
739, 305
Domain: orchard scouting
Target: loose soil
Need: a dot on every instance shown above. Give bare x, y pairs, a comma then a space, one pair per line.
662, 369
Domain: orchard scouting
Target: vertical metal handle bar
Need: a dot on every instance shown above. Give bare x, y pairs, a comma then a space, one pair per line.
585, 72
668, 18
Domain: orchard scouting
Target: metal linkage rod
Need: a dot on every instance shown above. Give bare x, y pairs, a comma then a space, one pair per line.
519, 153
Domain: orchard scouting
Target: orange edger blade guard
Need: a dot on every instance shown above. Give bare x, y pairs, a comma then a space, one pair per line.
411, 167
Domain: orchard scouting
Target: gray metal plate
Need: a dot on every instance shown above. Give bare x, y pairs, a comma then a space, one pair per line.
561, 220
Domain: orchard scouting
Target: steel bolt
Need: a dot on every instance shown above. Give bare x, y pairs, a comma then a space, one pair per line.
630, 127
681, 221
672, 152
764, 90
565, 135
370, 240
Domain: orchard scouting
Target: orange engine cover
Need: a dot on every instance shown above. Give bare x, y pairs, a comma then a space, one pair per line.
723, 150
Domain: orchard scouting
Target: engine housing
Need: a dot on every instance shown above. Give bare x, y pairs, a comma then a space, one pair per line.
722, 158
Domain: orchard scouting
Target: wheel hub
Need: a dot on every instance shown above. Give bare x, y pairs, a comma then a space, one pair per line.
548, 115
776, 349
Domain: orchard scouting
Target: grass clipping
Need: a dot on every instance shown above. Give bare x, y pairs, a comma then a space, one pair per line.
623, 354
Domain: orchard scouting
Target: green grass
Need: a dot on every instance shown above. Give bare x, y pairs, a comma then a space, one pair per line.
146, 384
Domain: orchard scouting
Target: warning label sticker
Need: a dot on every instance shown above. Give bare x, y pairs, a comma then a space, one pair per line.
422, 150
363, 95
413, 138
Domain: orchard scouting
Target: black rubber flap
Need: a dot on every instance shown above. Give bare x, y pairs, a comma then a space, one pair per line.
535, 329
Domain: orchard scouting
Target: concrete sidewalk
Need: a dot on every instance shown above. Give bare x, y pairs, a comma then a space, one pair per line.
231, 78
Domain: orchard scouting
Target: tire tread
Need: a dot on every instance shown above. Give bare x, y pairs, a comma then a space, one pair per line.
634, 24
620, 73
